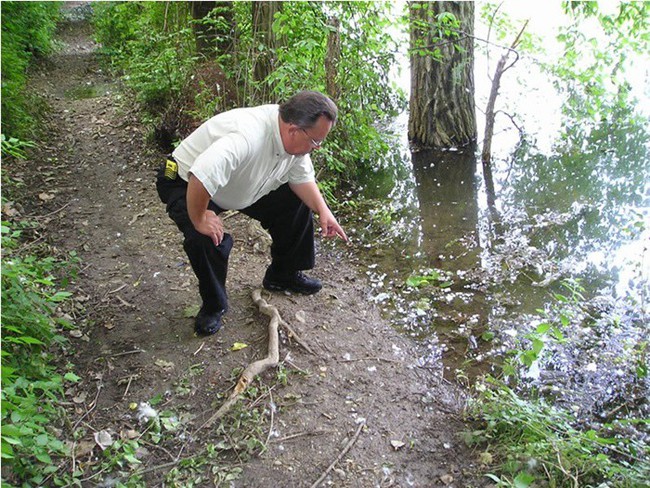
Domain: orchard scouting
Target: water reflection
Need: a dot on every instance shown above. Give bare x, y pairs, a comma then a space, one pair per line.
447, 194
508, 238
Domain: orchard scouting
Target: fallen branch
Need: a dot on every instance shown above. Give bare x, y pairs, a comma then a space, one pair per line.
345, 450
257, 367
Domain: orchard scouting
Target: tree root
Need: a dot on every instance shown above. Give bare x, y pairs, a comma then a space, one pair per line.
255, 368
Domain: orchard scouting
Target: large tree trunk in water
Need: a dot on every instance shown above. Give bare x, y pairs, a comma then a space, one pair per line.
442, 90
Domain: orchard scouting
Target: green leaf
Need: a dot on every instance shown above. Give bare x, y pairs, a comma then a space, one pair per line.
71, 377
7, 451
43, 457
523, 480
538, 345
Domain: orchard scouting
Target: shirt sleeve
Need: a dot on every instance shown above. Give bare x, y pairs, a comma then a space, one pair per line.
214, 166
302, 171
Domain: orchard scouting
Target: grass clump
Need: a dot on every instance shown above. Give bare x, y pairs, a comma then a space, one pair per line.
529, 441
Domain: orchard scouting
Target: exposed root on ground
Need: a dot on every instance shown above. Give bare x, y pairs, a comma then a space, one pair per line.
258, 367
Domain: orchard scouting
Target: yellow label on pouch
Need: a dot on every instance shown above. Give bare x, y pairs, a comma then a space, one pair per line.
171, 170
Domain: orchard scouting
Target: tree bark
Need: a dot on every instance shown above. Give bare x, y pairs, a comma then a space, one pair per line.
263, 14
207, 36
442, 113
333, 58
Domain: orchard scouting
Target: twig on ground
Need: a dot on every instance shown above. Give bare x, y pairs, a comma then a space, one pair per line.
37, 217
199, 349
92, 407
369, 359
347, 447
124, 302
128, 385
300, 434
272, 409
116, 289
134, 351
293, 365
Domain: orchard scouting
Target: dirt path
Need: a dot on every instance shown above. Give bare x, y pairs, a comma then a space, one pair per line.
92, 184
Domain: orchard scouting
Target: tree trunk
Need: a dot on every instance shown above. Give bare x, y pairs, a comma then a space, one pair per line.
207, 37
263, 13
442, 111
333, 58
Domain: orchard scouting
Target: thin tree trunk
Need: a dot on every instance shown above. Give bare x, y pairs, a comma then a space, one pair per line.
263, 14
494, 92
333, 58
209, 41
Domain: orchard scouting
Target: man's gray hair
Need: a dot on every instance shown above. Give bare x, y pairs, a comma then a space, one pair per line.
304, 108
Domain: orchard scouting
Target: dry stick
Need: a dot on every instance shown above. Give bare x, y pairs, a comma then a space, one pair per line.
128, 385
272, 408
94, 404
199, 349
340, 456
134, 351
296, 337
257, 367
300, 434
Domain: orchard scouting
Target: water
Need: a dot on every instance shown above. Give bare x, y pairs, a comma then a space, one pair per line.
571, 201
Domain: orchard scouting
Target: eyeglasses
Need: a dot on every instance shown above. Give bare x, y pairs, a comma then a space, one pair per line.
313, 142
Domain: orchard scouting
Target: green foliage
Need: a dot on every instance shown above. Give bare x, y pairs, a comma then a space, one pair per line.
429, 277
27, 30
535, 443
561, 314
505, 29
532, 441
594, 68
152, 43
32, 387
368, 48
14, 147
431, 33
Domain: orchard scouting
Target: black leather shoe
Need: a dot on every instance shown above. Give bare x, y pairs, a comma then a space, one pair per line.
296, 282
207, 322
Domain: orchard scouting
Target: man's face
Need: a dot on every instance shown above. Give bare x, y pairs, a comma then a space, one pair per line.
303, 141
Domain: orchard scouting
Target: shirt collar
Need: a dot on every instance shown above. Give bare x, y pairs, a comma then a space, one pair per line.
278, 147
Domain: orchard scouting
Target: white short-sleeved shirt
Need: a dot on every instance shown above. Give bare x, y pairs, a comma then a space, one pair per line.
239, 157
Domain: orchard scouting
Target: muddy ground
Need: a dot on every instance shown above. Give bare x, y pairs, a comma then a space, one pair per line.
91, 187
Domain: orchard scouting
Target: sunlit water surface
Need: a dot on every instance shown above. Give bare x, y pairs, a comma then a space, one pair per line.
571, 201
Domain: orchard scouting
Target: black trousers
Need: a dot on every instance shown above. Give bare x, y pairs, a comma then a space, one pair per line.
287, 219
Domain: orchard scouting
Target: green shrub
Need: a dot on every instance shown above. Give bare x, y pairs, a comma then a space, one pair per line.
153, 45
32, 386
27, 31
531, 441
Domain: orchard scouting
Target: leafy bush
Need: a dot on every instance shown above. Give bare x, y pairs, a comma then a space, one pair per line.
32, 387
151, 44
154, 46
532, 441
27, 30
368, 51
